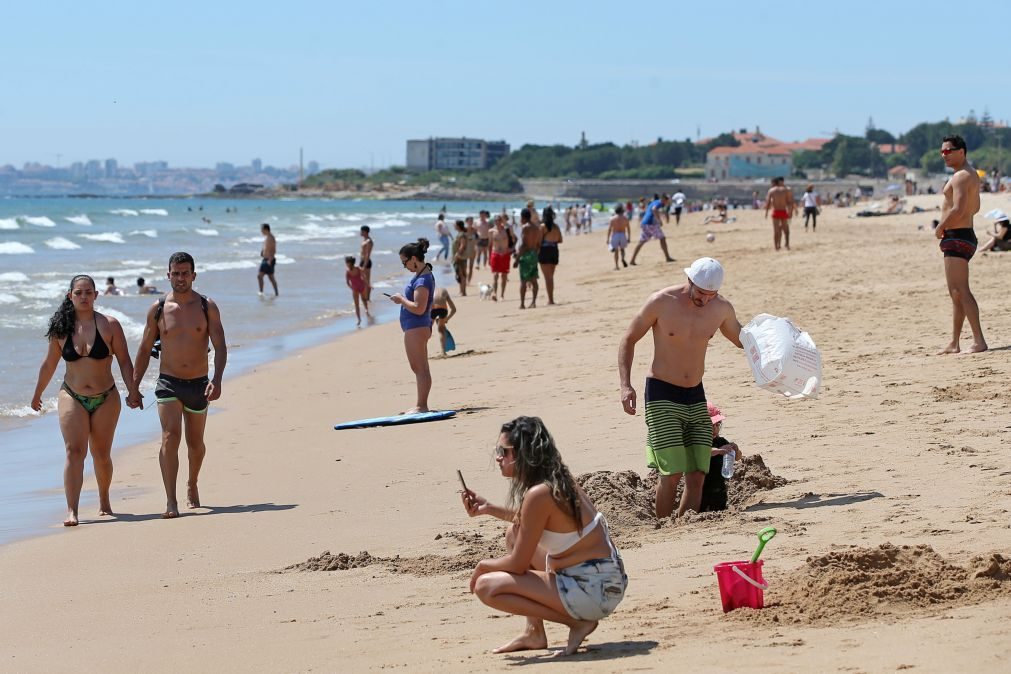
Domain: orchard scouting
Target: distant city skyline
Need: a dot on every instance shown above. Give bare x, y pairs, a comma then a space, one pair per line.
194, 84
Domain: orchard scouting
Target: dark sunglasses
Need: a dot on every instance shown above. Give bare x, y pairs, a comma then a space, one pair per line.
948, 151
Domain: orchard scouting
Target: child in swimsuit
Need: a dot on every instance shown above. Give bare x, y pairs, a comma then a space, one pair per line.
443, 309
355, 279
714, 489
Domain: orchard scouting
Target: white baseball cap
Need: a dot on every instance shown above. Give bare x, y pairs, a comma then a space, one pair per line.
706, 273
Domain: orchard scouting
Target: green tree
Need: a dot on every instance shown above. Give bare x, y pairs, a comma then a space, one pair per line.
880, 136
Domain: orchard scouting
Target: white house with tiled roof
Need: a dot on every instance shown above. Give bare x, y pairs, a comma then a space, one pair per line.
757, 156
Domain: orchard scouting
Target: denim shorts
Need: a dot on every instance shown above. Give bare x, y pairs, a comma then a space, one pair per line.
593, 589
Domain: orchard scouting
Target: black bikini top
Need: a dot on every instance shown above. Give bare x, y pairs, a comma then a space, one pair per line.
99, 350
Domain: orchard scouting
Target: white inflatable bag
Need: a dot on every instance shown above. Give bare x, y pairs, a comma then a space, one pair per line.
782, 358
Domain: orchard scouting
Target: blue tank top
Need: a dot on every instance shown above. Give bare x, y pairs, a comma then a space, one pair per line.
409, 321
647, 217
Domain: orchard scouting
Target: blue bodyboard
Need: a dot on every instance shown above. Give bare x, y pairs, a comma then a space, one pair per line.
398, 420
450, 342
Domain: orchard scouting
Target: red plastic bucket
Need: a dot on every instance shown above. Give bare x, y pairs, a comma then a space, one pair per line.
741, 584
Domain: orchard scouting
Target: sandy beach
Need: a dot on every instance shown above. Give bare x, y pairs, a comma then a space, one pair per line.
903, 448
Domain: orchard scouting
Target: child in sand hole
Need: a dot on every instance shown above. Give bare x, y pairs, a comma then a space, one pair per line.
714, 489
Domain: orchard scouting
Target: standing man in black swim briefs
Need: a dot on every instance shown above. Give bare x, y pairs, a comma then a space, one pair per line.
365, 262
958, 242
184, 322
269, 258
679, 432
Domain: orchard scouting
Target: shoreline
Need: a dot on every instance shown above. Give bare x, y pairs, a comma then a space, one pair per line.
282, 486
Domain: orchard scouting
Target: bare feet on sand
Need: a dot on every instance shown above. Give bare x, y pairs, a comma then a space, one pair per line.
192, 496
977, 347
416, 410
530, 640
171, 511
104, 508
71, 519
951, 348
577, 633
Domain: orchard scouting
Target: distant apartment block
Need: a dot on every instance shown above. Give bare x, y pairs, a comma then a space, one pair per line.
454, 154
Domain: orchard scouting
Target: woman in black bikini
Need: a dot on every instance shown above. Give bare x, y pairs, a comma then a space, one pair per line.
547, 256
88, 401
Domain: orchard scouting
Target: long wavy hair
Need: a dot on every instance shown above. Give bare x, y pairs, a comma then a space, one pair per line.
548, 218
61, 324
537, 461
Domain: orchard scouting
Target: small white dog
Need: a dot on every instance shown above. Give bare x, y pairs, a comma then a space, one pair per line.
485, 290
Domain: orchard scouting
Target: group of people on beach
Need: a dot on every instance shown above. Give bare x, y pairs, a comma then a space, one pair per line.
561, 563
178, 329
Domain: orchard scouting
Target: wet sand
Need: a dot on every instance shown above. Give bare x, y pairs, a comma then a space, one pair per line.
903, 449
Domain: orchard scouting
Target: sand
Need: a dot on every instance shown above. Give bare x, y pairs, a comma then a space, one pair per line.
891, 493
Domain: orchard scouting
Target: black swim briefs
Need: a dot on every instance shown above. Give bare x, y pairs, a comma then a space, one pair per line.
190, 392
267, 266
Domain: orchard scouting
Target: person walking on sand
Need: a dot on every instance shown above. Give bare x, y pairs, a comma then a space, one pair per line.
460, 256
812, 205
471, 247
678, 200
652, 219
483, 238
547, 256
780, 200
442, 231
526, 258
617, 235
561, 564
354, 277
443, 309
365, 262
182, 323
679, 433
958, 242
416, 317
88, 402
268, 255
501, 243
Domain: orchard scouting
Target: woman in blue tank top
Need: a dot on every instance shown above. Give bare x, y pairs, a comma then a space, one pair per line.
415, 316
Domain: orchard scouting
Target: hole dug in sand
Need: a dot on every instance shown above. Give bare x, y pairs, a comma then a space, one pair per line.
884, 582
625, 498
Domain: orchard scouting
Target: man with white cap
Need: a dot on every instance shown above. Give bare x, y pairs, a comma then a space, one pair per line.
683, 319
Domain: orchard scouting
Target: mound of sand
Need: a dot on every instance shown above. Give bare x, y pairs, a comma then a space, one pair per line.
339, 562
887, 581
474, 547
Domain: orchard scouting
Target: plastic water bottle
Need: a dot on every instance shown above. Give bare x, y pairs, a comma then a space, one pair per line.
728, 465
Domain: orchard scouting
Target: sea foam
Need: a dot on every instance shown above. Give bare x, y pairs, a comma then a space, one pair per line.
154, 211
109, 237
124, 211
13, 277
59, 243
9, 223
39, 221
149, 233
81, 219
15, 248
207, 232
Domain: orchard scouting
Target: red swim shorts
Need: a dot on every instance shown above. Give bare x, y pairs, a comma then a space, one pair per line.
780, 214
499, 263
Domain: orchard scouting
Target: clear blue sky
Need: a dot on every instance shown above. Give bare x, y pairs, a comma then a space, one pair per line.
193, 83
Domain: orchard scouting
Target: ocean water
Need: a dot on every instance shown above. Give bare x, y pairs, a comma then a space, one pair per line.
46, 241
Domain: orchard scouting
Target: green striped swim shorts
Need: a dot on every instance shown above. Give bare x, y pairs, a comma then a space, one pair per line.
680, 433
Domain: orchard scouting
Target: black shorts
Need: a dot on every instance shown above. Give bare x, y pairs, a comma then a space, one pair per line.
677, 210
548, 255
366, 264
959, 243
190, 392
439, 313
267, 266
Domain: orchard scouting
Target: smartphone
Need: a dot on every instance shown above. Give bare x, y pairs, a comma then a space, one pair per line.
462, 483
388, 295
